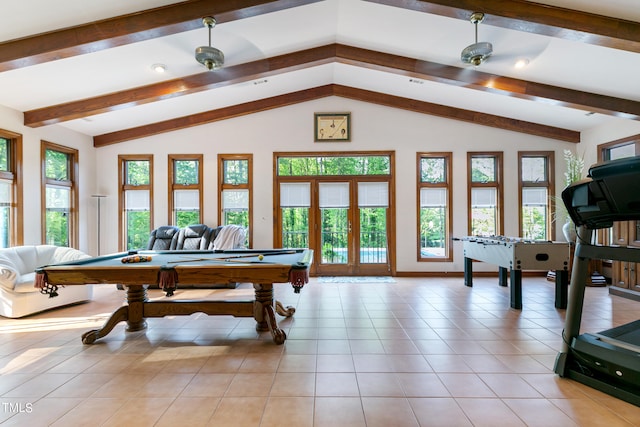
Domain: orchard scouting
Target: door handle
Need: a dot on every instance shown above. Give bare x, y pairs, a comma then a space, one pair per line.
349, 227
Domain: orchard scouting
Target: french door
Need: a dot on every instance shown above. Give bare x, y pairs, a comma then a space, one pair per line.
346, 220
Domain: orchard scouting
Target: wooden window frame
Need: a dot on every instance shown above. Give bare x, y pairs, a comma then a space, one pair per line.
172, 186
622, 232
123, 187
448, 184
14, 174
74, 171
549, 184
248, 186
498, 184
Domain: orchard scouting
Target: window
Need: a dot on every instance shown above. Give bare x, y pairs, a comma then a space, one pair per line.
434, 210
59, 195
185, 189
235, 180
536, 178
136, 194
485, 193
619, 149
11, 215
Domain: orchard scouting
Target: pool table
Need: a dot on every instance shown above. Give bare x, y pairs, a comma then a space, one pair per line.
137, 269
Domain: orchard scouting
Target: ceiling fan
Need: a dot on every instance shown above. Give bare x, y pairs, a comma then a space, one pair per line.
478, 52
208, 56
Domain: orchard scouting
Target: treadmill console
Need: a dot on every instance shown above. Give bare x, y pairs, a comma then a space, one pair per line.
611, 192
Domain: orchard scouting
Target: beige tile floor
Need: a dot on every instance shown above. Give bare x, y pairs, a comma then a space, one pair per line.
418, 352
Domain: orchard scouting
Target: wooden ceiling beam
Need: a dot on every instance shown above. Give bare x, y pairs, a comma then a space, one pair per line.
212, 116
468, 116
536, 18
426, 70
131, 28
343, 91
178, 87
493, 83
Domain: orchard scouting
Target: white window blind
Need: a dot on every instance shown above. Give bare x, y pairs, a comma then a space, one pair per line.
186, 200
235, 199
295, 195
433, 197
334, 194
373, 194
137, 200
483, 197
5, 193
534, 196
58, 197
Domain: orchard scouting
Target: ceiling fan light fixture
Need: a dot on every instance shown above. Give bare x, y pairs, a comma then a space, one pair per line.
208, 56
475, 54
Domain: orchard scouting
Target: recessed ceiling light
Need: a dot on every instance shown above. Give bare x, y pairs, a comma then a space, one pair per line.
159, 68
521, 63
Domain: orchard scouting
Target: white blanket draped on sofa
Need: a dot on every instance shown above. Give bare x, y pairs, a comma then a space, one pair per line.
18, 296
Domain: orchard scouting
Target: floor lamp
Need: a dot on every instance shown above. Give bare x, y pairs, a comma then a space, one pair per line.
99, 197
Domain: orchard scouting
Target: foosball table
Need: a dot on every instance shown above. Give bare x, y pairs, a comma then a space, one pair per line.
517, 254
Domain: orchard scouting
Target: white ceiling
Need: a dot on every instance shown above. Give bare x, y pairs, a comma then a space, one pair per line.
438, 39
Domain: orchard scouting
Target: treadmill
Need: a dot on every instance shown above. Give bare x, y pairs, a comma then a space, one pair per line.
607, 360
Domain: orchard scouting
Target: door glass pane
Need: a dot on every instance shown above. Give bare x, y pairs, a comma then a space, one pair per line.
295, 227
373, 235
334, 236
334, 207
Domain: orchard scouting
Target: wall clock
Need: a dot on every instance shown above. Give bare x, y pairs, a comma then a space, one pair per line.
332, 127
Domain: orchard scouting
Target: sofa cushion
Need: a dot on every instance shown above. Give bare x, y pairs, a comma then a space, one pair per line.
18, 264
194, 237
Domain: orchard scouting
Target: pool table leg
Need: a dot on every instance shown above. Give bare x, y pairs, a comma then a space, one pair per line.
264, 313
132, 313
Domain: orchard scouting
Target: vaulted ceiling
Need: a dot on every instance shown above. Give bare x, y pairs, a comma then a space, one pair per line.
88, 65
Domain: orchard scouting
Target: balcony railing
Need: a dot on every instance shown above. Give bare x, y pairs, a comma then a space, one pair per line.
373, 246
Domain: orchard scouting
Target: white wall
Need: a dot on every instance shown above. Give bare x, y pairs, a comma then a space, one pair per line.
12, 120
291, 129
